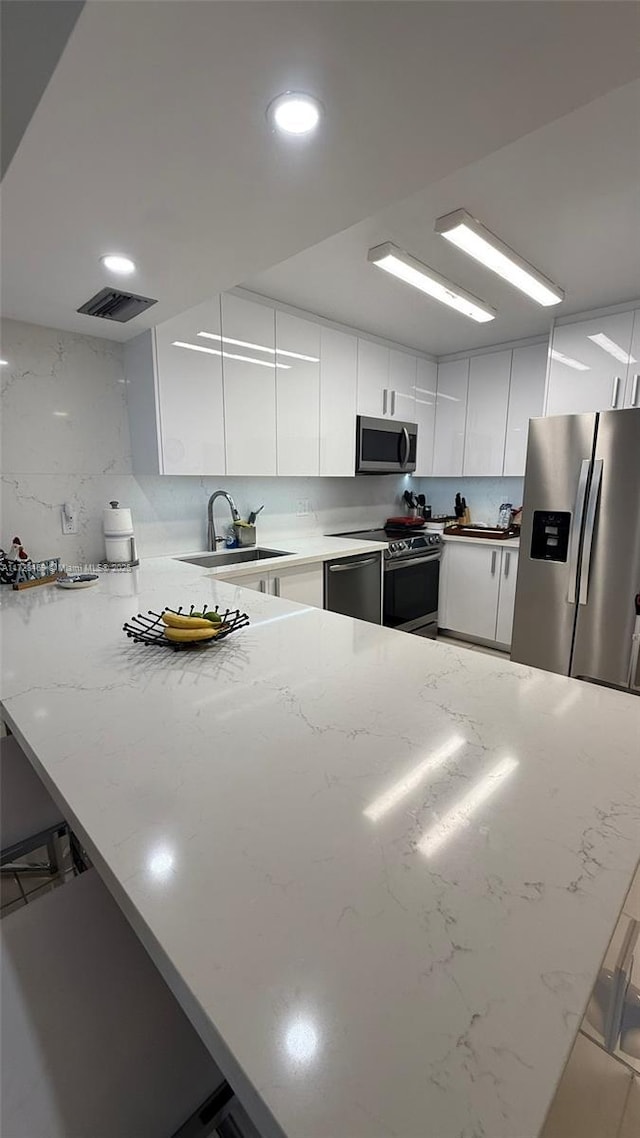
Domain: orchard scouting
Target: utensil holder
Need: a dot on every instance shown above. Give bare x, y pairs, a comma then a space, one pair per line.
245, 534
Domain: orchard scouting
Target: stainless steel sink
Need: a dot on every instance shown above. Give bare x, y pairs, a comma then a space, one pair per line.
233, 557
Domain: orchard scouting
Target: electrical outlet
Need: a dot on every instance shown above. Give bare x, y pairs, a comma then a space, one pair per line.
303, 507
69, 518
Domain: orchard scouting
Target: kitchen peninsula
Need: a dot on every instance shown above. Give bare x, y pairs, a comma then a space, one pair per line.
378, 872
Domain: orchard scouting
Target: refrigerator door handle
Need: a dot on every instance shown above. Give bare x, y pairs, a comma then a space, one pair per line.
589, 527
576, 528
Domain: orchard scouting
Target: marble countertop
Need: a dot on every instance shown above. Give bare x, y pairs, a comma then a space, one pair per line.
379, 872
299, 550
506, 543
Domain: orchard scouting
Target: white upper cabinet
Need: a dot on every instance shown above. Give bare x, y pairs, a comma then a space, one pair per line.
425, 415
297, 395
526, 401
451, 410
632, 394
589, 365
249, 386
486, 413
402, 386
373, 379
338, 392
189, 379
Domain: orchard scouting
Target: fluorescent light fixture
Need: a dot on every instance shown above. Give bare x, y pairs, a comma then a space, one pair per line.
480, 243
230, 355
612, 348
259, 347
117, 263
61, 414
408, 269
295, 113
4, 363
459, 816
413, 779
568, 361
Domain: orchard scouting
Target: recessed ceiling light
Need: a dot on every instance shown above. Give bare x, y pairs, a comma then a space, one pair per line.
117, 263
295, 113
408, 269
481, 244
612, 348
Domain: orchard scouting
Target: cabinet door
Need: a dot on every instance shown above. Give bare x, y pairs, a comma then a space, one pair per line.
526, 401
189, 377
373, 379
472, 587
304, 585
259, 582
249, 386
402, 386
632, 394
451, 410
589, 364
298, 395
338, 391
426, 386
487, 414
507, 598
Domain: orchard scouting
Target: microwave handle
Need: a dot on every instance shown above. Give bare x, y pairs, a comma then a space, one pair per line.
404, 434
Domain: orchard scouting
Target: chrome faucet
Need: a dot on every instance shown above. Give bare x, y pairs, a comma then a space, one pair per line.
212, 538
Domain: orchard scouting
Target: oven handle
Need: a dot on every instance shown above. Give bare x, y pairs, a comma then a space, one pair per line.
391, 566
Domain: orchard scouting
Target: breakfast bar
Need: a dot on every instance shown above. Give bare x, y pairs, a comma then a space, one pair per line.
378, 873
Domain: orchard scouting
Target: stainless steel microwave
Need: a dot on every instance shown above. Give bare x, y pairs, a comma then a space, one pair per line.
385, 446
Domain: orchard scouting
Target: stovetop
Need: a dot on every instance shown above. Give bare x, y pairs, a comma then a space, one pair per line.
401, 542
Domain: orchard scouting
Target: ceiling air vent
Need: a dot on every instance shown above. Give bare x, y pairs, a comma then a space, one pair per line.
112, 304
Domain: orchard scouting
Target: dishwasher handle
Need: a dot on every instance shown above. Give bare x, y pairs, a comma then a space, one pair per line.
352, 565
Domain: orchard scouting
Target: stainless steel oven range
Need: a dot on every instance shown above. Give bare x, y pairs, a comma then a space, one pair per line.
411, 578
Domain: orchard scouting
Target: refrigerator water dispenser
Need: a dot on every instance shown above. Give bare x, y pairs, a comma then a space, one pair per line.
550, 535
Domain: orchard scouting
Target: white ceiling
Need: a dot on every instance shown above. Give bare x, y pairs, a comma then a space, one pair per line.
151, 137
566, 197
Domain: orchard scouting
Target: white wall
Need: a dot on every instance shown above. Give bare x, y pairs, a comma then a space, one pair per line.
484, 495
65, 438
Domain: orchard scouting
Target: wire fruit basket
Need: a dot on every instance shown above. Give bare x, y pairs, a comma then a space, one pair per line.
148, 628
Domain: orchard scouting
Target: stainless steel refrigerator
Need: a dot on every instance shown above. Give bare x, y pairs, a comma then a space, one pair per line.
579, 565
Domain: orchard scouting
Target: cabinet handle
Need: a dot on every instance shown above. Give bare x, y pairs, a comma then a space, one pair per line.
384, 401
276, 586
393, 402
493, 562
614, 391
507, 559
634, 390
262, 586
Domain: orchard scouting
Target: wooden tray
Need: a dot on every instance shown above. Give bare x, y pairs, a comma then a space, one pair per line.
488, 533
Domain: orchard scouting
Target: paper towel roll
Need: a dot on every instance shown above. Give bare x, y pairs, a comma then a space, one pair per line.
119, 541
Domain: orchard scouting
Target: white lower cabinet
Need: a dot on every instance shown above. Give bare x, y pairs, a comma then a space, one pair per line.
303, 584
477, 590
507, 597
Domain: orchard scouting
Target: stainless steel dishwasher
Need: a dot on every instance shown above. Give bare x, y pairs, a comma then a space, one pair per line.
353, 586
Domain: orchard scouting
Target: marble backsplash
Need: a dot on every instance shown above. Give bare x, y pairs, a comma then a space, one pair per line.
65, 438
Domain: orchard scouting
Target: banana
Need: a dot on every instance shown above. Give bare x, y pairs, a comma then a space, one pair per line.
192, 635
175, 620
